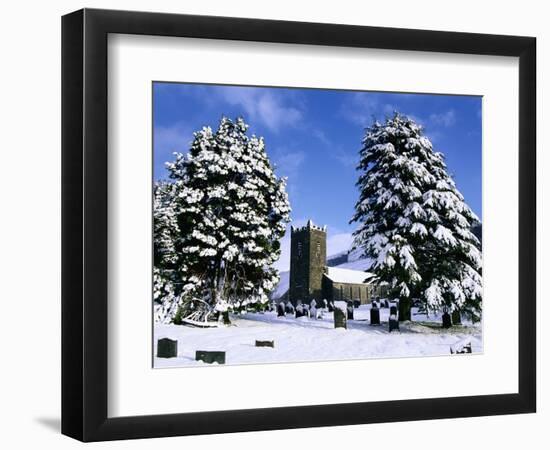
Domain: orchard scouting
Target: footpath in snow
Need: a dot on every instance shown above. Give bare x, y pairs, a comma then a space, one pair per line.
305, 339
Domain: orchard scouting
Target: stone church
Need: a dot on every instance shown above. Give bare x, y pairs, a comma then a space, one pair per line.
311, 277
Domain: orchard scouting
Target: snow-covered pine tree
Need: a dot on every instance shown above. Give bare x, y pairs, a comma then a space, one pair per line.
231, 211
165, 231
413, 222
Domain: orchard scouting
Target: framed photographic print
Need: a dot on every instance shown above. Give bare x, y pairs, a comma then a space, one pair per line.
273, 224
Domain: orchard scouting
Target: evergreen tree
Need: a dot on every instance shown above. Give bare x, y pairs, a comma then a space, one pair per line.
165, 230
231, 210
413, 222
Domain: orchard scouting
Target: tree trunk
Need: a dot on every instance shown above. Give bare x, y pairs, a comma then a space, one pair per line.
404, 309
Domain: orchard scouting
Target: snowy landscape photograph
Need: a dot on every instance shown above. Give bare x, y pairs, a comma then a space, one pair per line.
303, 225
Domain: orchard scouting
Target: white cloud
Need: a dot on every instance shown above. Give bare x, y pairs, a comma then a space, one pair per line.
288, 162
363, 108
267, 107
320, 134
446, 119
348, 158
167, 140
338, 243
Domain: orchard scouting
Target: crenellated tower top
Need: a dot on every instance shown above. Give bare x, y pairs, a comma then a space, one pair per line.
309, 226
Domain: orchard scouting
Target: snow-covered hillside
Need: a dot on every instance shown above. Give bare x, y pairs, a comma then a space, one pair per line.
306, 339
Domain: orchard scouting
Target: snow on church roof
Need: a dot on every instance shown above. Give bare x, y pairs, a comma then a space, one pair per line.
347, 275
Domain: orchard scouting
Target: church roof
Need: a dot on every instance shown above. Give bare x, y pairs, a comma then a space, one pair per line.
347, 275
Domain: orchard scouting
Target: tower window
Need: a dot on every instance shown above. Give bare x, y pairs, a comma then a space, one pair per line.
299, 249
318, 250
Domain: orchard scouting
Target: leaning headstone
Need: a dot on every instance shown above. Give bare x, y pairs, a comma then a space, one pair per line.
340, 314
393, 323
167, 348
356, 303
374, 315
349, 309
280, 310
446, 319
210, 357
265, 344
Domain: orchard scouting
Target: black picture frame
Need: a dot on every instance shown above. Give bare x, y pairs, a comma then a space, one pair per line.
84, 224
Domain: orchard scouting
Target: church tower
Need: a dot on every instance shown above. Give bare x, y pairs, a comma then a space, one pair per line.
308, 257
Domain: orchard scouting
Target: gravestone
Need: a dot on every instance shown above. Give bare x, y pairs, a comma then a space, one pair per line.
167, 348
349, 309
330, 306
393, 323
455, 317
289, 308
446, 319
265, 344
313, 304
225, 318
306, 310
299, 311
386, 303
340, 312
374, 315
356, 303
393, 310
280, 310
210, 357
325, 303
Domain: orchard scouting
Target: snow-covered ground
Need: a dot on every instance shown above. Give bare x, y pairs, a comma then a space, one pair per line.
305, 339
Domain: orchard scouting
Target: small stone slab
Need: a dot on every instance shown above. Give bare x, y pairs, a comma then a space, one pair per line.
265, 344
210, 357
461, 349
167, 348
280, 310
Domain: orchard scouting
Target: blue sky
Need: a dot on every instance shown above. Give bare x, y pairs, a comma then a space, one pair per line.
313, 137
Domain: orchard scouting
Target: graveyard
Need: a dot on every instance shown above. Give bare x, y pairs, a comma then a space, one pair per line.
269, 337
